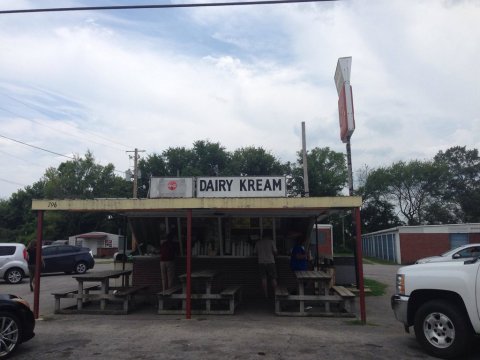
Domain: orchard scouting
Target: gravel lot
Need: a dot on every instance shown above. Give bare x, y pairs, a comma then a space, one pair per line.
253, 333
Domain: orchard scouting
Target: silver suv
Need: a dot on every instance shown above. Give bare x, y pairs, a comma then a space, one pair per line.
13, 262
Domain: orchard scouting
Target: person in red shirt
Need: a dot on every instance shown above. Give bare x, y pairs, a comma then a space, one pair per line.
31, 260
168, 254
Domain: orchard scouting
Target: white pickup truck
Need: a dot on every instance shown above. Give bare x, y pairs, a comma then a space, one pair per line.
441, 300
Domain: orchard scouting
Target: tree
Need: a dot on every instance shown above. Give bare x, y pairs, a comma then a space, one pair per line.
211, 159
462, 188
378, 215
254, 161
179, 161
153, 166
84, 179
412, 187
377, 212
327, 172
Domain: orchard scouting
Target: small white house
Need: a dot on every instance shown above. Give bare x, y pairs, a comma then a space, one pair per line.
102, 244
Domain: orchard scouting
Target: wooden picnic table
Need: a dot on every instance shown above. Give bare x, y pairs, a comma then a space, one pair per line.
103, 277
314, 289
202, 281
319, 281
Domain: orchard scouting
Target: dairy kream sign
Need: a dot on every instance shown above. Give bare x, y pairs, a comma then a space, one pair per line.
245, 186
215, 186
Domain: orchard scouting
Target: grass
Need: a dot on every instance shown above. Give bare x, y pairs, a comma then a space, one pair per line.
373, 261
376, 288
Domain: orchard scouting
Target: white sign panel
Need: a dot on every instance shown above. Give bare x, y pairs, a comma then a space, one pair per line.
345, 98
247, 186
162, 187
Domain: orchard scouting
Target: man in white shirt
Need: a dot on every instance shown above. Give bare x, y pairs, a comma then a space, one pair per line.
266, 251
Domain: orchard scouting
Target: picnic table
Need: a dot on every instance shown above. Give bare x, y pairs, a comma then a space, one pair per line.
202, 282
314, 289
100, 291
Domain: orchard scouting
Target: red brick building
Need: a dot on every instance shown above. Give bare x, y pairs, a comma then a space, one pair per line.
406, 244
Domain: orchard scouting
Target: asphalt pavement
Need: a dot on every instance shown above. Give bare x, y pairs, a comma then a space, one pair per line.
254, 332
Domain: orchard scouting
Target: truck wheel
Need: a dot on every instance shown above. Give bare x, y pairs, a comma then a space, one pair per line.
442, 329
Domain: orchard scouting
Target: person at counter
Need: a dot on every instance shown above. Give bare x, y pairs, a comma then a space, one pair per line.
266, 251
299, 256
168, 254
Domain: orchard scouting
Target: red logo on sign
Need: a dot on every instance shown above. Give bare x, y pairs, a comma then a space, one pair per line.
172, 185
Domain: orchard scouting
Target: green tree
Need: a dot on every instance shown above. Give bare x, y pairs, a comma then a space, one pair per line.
82, 178
327, 172
377, 212
411, 187
179, 161
254, 161
152, 166
210, 158
377, 215
462, 188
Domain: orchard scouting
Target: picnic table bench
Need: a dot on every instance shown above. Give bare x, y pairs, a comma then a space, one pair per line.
176, 296
73, 293
347, 296
313, 289
100, 292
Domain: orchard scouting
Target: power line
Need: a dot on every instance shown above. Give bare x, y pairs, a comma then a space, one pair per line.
62, 131
46, 150
164, 6
18, 157
36, 147
12, 182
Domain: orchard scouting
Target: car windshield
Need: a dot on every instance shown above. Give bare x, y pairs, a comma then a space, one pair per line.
457, 249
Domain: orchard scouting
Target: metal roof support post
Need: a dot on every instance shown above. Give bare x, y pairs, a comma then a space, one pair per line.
38, 264
361, 288
189, 265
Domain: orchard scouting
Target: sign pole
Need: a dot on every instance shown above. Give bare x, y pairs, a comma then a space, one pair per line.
347, 127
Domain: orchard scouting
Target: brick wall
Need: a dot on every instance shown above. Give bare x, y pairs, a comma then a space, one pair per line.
416, 246
474, 238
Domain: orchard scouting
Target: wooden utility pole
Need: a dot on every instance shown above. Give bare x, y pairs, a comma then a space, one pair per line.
135, 171
305, 162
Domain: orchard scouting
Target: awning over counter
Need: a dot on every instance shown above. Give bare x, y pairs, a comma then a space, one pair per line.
304, 207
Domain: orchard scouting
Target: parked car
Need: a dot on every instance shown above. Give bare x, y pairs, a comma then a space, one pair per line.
59, 242
13, 262
17, 323
464, 252
67, 258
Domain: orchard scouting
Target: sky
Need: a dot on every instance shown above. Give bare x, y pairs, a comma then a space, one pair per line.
112, 81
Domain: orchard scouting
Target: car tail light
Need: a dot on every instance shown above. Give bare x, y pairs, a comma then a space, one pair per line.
25, 254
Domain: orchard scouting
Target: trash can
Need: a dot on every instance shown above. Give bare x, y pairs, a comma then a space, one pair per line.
344, 270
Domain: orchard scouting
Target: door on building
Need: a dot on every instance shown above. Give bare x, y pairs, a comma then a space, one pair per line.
457, 240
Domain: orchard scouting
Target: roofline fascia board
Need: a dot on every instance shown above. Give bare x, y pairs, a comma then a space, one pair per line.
122, 205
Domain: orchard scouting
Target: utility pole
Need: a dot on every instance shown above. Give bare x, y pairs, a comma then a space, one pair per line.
135, 171
305, 162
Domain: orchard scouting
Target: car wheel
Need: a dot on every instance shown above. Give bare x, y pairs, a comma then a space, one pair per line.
442, 329
14, 276
81, 268
10, 333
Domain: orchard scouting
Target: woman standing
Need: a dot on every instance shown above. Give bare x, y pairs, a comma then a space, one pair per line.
32, 257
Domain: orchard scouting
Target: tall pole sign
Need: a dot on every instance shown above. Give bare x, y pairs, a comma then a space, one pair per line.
347, 127
345, 109
345, 98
